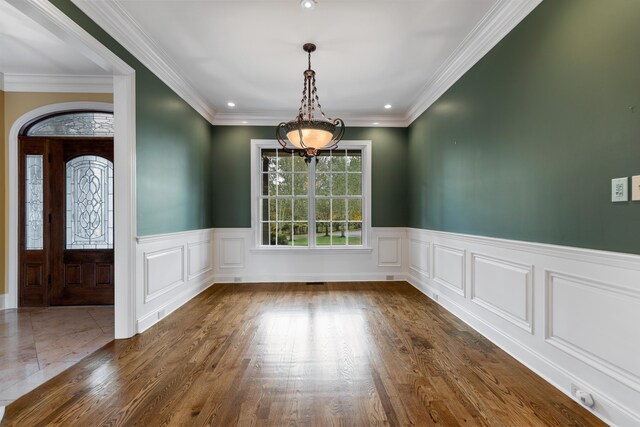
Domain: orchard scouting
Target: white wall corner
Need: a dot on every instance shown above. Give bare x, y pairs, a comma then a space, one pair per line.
2, 89
2, 301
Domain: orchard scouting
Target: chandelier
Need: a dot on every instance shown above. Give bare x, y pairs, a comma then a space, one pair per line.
310, 132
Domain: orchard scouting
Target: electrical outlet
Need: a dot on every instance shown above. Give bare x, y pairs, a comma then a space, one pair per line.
389, 277
435, 297
162, 313
585, 398
237, 279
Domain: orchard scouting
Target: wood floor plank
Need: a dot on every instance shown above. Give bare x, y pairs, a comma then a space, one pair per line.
274, 354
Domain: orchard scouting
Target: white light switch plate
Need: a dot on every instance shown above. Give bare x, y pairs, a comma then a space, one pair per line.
619, 189
635, 188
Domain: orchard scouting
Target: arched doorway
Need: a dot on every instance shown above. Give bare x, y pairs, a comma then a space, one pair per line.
60, 25
66, 201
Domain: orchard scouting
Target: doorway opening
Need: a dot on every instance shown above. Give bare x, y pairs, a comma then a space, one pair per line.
66, 210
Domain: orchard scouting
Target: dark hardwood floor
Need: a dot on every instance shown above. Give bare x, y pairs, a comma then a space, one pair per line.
352, 354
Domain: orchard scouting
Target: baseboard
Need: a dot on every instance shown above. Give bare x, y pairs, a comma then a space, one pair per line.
150, 319
294, 278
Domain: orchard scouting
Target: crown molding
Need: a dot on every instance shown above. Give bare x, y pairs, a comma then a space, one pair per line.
56, 83
496, 24
259, 119
124, 29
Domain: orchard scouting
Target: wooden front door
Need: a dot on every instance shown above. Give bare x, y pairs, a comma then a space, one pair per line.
66, 221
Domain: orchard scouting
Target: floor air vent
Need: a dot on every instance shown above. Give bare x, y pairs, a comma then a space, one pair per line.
314, 283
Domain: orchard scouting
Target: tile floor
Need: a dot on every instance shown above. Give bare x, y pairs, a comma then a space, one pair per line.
37, 344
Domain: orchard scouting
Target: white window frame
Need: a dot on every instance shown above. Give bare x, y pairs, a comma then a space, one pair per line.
257, 145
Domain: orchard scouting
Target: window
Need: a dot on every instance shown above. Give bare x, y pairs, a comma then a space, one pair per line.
320, 205
74, 123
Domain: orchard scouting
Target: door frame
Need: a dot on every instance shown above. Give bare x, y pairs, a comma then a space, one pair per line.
124, 145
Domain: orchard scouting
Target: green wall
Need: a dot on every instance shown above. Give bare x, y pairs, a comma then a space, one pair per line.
173, 147
525, 144
232, 173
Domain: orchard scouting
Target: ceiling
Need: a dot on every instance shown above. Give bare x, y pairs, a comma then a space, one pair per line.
249, 52
405, 53
26, 48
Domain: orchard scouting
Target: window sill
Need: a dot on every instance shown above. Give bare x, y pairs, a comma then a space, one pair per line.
269, 250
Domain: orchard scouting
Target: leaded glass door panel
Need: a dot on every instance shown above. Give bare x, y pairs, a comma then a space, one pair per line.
82, 221
33, 232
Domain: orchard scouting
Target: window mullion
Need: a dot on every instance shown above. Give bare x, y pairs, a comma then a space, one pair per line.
311, 194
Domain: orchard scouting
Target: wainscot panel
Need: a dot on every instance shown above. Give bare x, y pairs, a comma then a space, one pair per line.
503, 287
171, 269
241, 261
448, 268
571, 315
419, 257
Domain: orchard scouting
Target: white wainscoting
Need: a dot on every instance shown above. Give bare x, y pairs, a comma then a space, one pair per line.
419, 257
571, 315
240, 261
448, 268
504, 288
172, 269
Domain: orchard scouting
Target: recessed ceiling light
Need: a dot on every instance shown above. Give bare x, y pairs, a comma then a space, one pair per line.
231, 104
244, 122
308, 4
387, 106
376, 123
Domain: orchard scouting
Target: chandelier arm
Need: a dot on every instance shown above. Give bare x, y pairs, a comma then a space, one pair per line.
302, 144
339, 132
282, 141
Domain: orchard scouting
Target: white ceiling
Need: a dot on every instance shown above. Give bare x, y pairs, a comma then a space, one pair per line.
26, 48
370, 53
250, 52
